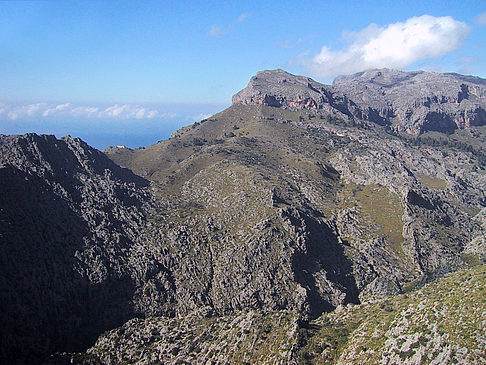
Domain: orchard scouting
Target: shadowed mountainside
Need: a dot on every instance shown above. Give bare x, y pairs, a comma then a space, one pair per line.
70, 266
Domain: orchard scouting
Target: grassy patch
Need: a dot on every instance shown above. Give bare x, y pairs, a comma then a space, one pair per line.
471, 259
380, 207
432, 182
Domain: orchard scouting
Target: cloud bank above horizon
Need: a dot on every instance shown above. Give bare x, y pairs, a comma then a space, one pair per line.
70, 110
102, 125
396, 45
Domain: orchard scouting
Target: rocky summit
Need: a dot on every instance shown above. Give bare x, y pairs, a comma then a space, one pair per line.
417, 102
306, 223
407, 102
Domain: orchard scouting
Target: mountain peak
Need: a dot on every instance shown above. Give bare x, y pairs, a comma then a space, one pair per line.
279, 88
383, 76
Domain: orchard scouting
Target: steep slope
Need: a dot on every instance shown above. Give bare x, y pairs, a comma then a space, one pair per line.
272, 207
241, 243
70, 266
441, 323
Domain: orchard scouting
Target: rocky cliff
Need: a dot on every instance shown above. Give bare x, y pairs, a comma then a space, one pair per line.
408, 102
416, 102
278, 88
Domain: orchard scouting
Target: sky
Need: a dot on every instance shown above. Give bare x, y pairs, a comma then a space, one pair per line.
132, 72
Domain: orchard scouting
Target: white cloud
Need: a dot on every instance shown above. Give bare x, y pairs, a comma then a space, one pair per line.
46, 110
56, 109
289, 43
242, 17
85, 111
3, 109
115, 111
128, 111
217, 30
481, 19
144, 113
23, 111
201, 116
395, 46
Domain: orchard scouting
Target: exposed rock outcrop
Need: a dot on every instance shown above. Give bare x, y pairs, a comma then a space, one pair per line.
409, 102
416, 102
278, 88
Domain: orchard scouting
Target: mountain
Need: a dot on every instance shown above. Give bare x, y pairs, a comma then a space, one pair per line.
70, 263
417, 102
407, 102
259, 220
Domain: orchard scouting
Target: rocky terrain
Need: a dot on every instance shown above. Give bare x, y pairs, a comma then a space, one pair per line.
239, 233
406, 102
442, 323
416, 102
70, 264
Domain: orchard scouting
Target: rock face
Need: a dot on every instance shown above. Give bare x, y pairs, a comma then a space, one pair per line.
416, 102
287, 205
409, 102
278, 88
70, 266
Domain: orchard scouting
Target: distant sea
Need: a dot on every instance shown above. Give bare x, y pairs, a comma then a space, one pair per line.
104, 132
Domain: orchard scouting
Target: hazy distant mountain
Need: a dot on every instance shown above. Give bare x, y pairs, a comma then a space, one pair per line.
248, 226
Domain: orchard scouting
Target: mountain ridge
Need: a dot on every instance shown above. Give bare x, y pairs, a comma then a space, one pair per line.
69, 220
408, 102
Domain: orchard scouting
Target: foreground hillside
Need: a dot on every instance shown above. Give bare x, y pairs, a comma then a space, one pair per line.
292, 203
442, 323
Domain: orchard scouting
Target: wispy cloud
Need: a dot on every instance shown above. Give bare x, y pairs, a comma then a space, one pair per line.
396, 46
242, 17
102, 125
29, 110
201, 116
3, 109
289, 43
56, 109
217, 30
48, 110
127, 111
481, 19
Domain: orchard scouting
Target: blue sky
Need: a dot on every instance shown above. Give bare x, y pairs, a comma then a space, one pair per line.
135, 71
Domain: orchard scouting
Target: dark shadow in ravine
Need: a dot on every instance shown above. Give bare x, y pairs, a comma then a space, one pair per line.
322, 252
